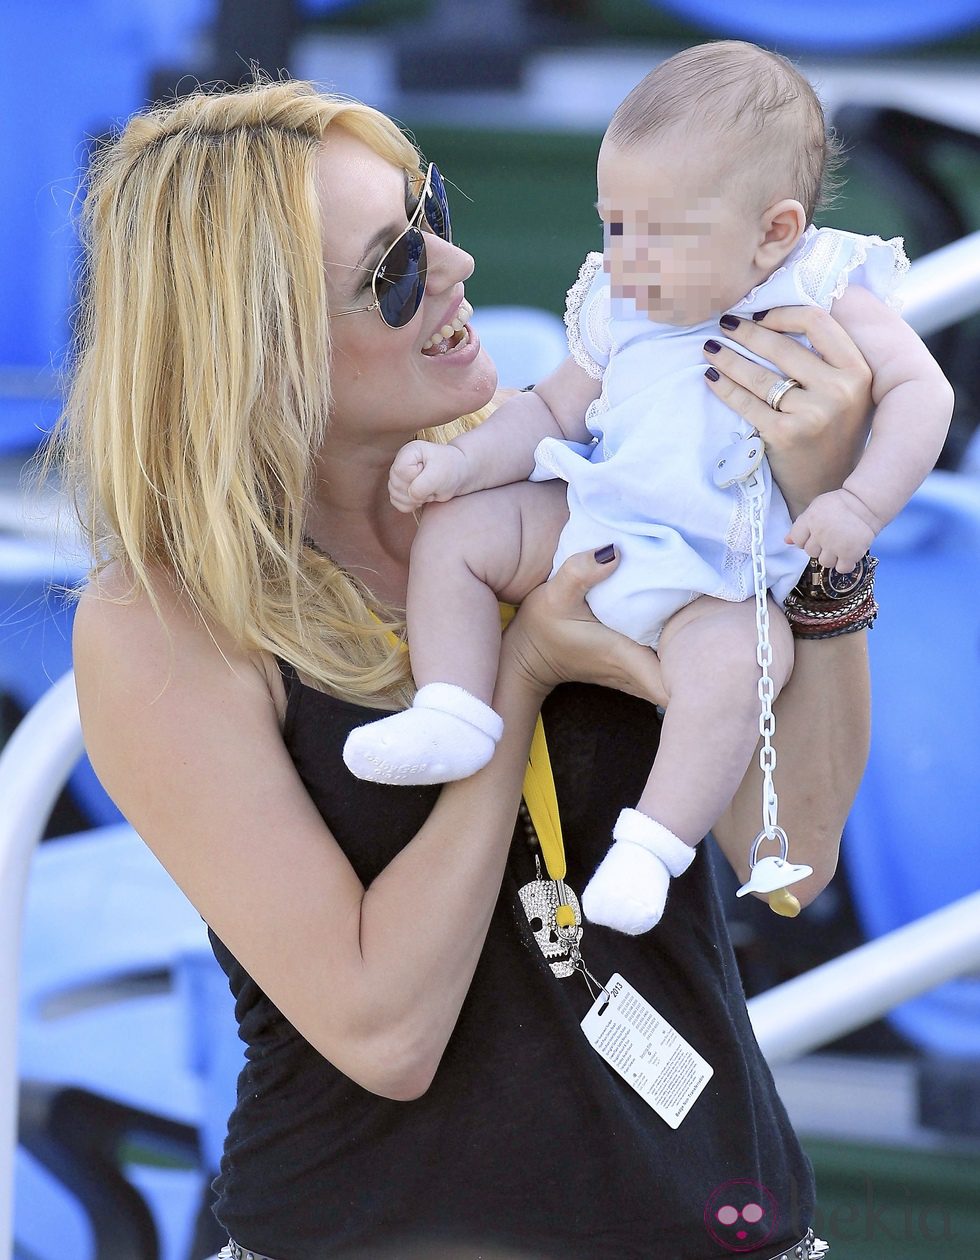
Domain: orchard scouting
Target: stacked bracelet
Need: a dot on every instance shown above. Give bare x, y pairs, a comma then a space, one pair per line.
825, 603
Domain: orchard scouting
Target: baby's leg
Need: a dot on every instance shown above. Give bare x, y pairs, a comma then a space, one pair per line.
711, 728
468, 552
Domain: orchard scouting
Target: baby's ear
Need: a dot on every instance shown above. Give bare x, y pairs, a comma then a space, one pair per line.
783, 223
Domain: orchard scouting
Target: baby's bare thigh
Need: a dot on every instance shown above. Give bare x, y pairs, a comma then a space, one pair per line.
711, 635
505, 536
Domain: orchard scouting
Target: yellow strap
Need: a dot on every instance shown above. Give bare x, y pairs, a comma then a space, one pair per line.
539, 787
542, 803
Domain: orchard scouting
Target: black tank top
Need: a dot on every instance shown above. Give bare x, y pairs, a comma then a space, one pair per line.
526, 1139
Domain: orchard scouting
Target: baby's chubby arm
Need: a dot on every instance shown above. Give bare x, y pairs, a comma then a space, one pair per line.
914, 404
501, 449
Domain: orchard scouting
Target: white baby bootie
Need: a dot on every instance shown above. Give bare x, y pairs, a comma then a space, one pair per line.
447, 734
628, 892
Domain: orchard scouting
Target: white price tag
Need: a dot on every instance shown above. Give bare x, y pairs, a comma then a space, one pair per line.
647, 1053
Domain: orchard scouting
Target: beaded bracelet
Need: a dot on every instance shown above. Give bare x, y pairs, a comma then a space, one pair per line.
825, 603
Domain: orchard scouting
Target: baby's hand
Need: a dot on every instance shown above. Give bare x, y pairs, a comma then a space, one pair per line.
425, 472
836, 530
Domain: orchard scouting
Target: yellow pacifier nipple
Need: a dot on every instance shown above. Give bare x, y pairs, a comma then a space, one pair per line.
783, 902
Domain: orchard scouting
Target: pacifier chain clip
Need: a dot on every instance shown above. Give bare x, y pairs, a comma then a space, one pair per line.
740, 464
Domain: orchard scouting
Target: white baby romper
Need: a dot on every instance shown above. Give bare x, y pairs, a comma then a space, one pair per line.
645, 482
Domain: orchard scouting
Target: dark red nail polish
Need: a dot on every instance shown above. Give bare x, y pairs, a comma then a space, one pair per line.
712, 373
729, 322
760, 315
712, 347
605, 554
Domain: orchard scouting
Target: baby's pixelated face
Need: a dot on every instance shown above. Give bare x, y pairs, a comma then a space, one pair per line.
676, 240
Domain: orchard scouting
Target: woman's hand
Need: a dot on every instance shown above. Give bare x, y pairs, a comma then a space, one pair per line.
554, 637
817, 436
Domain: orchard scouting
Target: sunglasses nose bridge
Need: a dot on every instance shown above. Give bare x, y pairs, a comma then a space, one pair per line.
448, 263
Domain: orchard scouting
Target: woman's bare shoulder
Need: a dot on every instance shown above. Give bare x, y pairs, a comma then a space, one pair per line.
112, 605
149, 639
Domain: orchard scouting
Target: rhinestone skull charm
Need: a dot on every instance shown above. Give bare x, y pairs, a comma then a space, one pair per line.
541, 900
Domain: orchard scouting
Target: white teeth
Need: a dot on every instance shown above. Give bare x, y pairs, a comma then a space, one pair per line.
448, 331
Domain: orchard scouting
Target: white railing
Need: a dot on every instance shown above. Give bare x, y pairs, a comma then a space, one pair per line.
789, 1020
862, 985
944, 287
25, 803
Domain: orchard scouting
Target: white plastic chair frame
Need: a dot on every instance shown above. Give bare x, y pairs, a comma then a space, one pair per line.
789, 1020
34, 765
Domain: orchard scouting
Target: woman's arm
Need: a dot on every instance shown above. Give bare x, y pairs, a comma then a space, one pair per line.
823, 712
183, 730
821, 741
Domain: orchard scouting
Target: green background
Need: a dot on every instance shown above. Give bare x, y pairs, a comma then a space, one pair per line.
523, 205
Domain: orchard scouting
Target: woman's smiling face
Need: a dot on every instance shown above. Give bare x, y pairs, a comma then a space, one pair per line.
390, 380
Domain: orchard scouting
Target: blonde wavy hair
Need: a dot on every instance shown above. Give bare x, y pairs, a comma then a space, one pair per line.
201, 381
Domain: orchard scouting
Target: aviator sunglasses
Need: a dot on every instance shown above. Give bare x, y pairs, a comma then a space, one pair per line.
398, 281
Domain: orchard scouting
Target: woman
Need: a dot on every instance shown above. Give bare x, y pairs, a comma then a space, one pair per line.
250, 359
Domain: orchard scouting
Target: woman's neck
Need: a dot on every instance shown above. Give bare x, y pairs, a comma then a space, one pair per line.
352, 520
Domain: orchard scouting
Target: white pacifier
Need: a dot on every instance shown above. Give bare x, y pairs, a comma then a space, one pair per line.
739, 460
773, 874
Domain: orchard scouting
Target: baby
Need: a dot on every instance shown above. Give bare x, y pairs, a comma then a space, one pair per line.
708, 176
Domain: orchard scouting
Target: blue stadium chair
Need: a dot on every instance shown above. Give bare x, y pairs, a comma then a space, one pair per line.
72, 69
108, 1047
101, 1011
215, 1052
843, 26
524, 342
82, 1197
35, 616
319, 8
35, 643
912, 842
54, 1212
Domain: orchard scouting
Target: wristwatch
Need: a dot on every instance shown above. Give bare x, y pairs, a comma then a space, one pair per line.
819, 583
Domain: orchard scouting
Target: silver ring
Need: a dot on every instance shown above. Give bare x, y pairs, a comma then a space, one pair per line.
779, 392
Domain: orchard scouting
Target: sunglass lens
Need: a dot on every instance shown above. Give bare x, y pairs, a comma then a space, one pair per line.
400, 280
437, 206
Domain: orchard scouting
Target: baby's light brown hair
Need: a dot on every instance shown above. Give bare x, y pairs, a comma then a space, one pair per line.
769, 124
